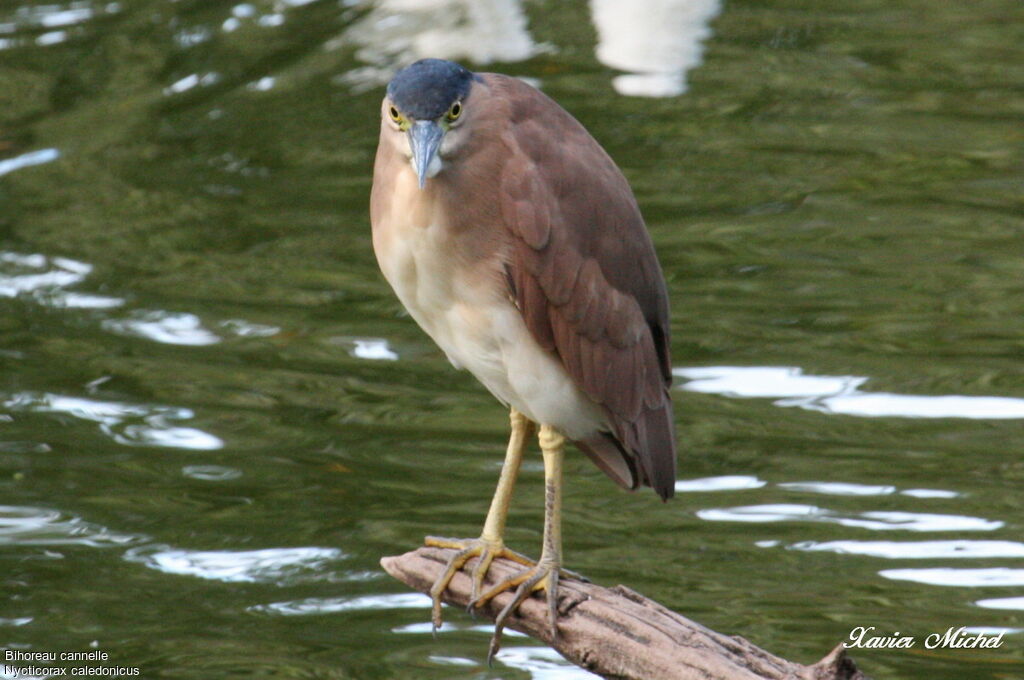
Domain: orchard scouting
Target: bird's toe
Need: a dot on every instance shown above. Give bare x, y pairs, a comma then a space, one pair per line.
486, 550
542, 576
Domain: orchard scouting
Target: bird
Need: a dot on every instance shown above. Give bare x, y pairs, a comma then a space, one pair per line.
515, 242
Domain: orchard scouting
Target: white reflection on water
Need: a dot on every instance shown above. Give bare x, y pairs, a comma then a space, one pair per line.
20, 525
28, 19
1002, 603
373, 349
248, 13
169, 328
18, 621
723, 483
190, 37
656, 41
334, 605
281, 566
51, 38
840, 394
897, 550
929, 493
129, 424
839, 488
876, 520
262, 84
991, 630
72, 300
423, 627
52, 15
26, 273
397, 32
951, 576
247, 329
45, 278
426, 627
453, 660
376, 349
211, 473
744, 482
190, 81
28, 159
542, 663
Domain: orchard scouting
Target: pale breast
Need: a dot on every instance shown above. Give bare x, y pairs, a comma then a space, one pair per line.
464, 308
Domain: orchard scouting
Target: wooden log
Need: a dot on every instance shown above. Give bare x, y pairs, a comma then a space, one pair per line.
618, 633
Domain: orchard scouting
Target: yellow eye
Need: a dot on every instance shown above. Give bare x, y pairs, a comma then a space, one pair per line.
455, 111
395, 115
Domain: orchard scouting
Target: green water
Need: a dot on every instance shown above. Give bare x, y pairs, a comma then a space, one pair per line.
215, 417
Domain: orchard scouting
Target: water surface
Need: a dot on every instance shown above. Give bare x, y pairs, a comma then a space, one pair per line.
215, 418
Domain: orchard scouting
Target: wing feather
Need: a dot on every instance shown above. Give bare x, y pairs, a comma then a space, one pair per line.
584, 275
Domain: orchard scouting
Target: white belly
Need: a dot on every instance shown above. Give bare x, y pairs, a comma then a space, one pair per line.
469, 315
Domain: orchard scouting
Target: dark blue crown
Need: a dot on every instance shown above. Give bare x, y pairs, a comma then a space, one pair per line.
427, 88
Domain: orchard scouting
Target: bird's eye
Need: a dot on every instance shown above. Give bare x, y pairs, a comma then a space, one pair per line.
395, 115
455, 111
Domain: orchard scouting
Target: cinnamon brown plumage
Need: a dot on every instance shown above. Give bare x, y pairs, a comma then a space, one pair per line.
515, 242
584, 275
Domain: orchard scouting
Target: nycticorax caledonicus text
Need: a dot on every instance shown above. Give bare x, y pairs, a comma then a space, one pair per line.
515, 242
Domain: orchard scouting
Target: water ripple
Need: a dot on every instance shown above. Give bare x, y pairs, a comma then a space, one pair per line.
453, 661
281, 566
169, 328
917, 550
875, 520
247, 329
424, 627
56, 15
20, 525
542, 663
840, 394
129, 424
839, 488
929, 493
745, 482
951, 576
723, 483
367, 348
211, 473
17, 621
1002, 603
188, 82
27, 273
334, 605
992, 630
396, 33
656, 42
45, 278
27, 160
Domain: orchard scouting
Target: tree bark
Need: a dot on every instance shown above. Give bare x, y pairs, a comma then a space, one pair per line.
618, 633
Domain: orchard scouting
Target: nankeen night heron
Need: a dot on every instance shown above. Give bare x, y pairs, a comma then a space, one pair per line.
515, 242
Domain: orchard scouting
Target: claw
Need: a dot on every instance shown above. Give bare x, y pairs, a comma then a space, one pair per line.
540, 577
484, 549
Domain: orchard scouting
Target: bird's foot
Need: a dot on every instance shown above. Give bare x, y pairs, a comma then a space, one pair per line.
542, 576
468, 548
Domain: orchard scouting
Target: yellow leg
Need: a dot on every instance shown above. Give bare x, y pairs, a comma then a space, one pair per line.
543, 575
491, 543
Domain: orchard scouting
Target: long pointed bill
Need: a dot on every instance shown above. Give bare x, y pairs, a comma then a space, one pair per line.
424, 141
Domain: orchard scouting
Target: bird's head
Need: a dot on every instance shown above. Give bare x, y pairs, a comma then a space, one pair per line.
424, 113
